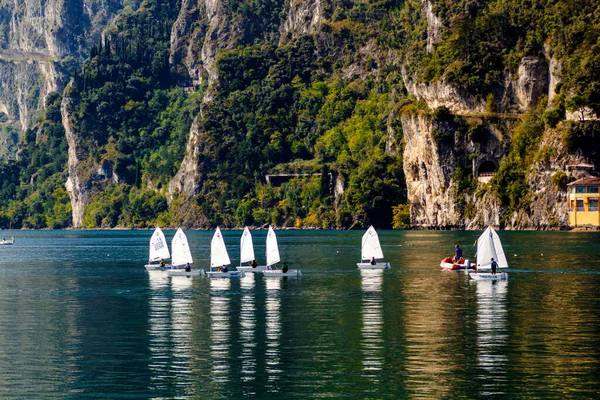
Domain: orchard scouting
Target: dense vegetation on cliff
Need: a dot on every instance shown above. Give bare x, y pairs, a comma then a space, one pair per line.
323, 104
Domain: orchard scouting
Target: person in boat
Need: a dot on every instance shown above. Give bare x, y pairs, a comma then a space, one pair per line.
457, 253
494, 265
284, 269
188, 267
223, 268
254, 264
373, 261
163, 263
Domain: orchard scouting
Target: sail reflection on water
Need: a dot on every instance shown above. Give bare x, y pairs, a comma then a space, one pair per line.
181, 329
220, 335
159, 329
248, 328
491, 334
372, 315
273, 333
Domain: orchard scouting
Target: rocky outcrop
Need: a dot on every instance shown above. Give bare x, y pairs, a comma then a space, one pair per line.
76, 186
303, 17
532, 82
86, 176
428, 170
37, 39
433, 24
187, 179
200, 31
440, 93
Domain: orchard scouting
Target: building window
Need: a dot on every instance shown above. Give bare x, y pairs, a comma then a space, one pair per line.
579, 206
592, 189
592, 204
579, 189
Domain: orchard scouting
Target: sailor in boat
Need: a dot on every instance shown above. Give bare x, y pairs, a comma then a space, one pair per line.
163, 263
458, 253
284, 269
223, 269
494, 266
188, 268
254, 264
373, 261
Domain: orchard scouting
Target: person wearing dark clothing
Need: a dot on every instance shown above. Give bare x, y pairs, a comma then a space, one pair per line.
254, 264
458, 253
284, 269
494, 266
373, 261
188, 268
163, 263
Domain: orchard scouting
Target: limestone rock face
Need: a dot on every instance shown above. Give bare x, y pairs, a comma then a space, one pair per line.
428, 169
440, 93
532, 82
86, 177
303, 17
38, 40
433, 25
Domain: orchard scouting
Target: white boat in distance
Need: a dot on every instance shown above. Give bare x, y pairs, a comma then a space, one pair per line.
159, 250
273, 258
219, 258
181, 255
7, 241
247, 253
488, 247
370, 251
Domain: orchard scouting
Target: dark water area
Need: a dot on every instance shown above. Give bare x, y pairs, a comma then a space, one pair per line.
81, 318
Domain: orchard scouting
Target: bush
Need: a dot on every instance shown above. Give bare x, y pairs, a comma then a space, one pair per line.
401, 216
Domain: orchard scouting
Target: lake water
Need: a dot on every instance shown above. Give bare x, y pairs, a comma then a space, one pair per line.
81, 318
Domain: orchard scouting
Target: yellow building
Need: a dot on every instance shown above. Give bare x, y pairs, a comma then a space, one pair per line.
583, 202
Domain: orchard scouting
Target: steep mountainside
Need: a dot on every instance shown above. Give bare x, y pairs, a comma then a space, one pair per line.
40, 45
322, 113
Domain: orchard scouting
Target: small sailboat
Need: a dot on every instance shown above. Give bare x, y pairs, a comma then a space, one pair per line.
489, 247
181, 255
247, 254
7, 241
219, 259
370, 251
273, 258
158, 251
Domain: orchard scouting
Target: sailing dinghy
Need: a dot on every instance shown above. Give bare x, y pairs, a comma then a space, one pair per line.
8, 241
273, 258
181, 255
219, 258
371, 251
247, 253
488, 247
158, 251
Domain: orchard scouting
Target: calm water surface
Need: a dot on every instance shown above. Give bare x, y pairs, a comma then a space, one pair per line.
81, 318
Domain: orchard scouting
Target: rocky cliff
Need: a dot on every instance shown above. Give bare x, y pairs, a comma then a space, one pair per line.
40, 44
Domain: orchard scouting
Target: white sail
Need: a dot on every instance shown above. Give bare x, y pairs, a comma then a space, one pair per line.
488, 247
218, 251
272, 248
180, 249
158, 246
370, 245
246, 247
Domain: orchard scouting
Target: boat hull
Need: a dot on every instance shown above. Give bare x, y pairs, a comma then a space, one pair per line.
452, 266
157, 267
488, 276
183, 272
7, 241
228, 274
248, 268
378, 265
277, 273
